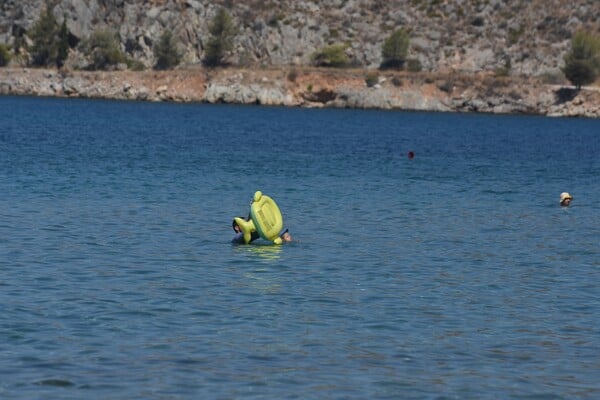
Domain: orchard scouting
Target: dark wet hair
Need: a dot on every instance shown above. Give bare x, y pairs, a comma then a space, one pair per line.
234, 224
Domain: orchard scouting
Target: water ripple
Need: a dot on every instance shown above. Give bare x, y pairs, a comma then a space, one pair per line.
452, 275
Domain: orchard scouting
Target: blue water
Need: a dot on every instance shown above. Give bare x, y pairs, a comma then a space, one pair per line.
454, 275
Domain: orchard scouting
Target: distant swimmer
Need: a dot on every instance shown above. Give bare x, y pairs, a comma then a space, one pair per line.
264, 221
565, 199
411, 155
239, 235
285, 236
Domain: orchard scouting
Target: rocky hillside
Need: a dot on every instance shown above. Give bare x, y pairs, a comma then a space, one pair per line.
446, 35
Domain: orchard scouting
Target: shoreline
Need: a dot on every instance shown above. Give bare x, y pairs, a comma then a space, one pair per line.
313, 88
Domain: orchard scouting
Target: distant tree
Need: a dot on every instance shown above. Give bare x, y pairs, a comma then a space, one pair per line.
331, 56
103, 49
4, 55
19, 47
395, 49
223, 32
166, 51
135, 65
372, 79
582, 63
50, 41
62, 51
414, 65
580, 72
44, 35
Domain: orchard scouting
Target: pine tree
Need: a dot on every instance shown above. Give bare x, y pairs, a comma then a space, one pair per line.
166, 52
223, 32
332, 56
103, 49
582, 63
395, 49
63, 44
4, 55
44, 36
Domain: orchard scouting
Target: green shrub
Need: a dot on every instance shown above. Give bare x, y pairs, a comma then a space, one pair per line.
414, 65
103, 50
166, 51
42, 34
372, 79
580, 72
505, 70
292, 75
223, 33
395, 49
582, 63
62, 47
4, 55
514, 35
50, 42
501, 72
331, 56
134, 65
20, 55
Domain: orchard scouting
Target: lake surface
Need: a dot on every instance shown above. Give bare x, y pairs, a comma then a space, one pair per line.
452, 275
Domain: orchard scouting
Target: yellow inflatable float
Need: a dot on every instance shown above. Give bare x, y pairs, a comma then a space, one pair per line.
265, 219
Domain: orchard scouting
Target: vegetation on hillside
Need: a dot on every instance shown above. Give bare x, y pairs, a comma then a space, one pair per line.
103, 50
395, 49
582, 63
166, 52
223, 32
4, 55
62, 46
332, 56
50, 41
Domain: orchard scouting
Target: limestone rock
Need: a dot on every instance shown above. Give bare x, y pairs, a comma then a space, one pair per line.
465, 36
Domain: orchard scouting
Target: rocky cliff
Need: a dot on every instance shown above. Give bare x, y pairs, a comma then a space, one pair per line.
459, 43
458, 35
312, 88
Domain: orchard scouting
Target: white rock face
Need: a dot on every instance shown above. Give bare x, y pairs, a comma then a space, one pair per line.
466, 36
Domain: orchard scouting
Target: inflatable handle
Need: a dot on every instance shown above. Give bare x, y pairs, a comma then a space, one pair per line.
247, 228
257, 196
